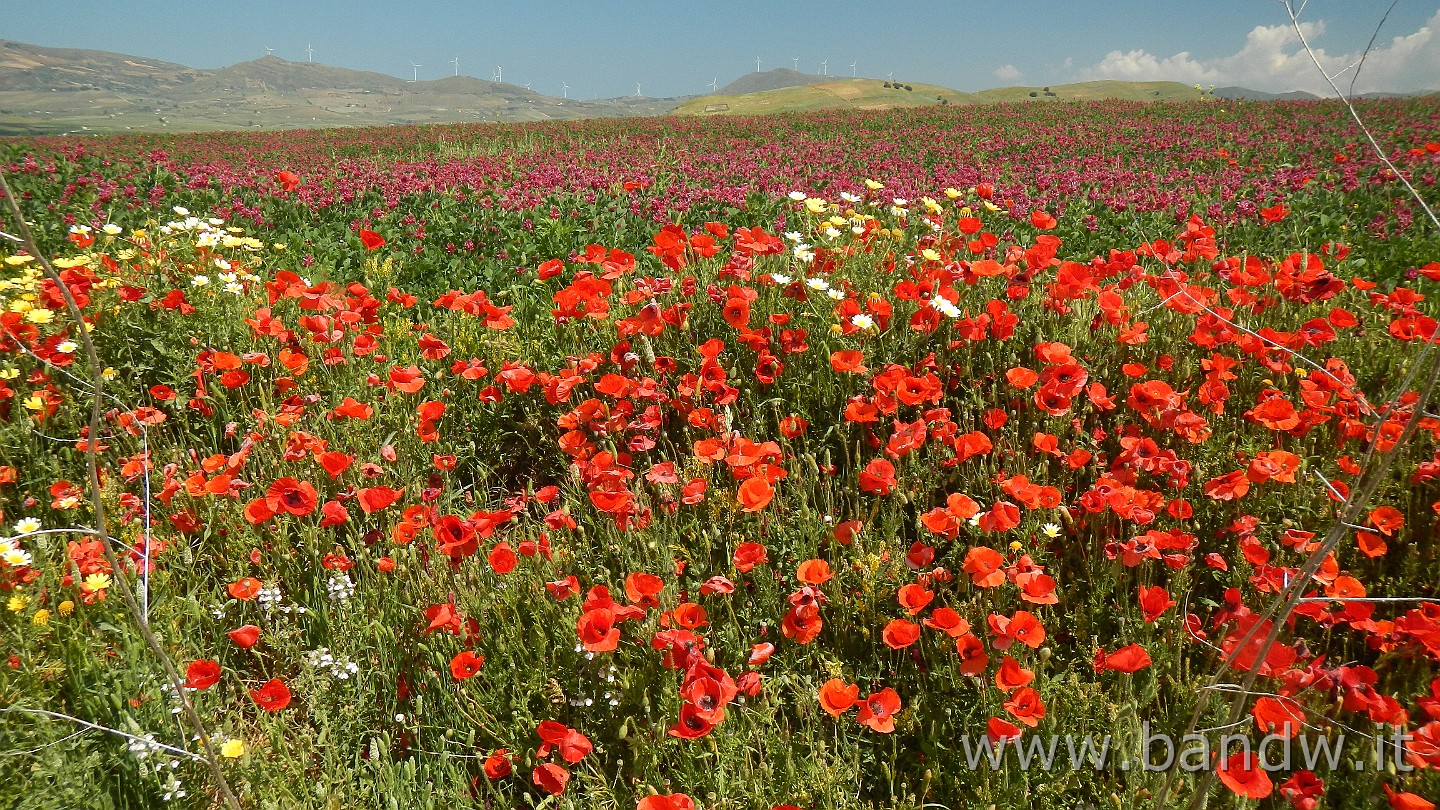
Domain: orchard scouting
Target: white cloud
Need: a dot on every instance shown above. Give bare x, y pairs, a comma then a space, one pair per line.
1007, 73
1272, 59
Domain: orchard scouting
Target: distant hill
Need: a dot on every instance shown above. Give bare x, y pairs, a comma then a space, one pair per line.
777, 79
1257, 95
874, 94
48, 91
70, 91
855, 94
33, 68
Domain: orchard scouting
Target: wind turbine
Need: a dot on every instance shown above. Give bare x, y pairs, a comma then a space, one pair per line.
527, 85
269, 50
456, 63
310, 51
796, 60
638, 94
890, 75
757, 64
414, 72
714, 84
824, 70
852, 69
564, 90
499, 75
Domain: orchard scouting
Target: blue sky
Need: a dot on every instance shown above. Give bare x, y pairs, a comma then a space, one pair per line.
602, 49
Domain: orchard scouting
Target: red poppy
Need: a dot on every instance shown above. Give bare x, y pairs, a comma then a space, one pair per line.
1274, 213
644, 589
465, 665
272, 696
973, 659
984, 565
289, 181
1037, 588
1026, 706
792, 427
292, 497
334, 462
748, 555
998, 731
371, 240
1154, 602
597, 630
1244, 776
1129, 659
877, 712
245, 637
373, 499
550, 778
878, 477
1407, 801
502, 558
813, 572
1021, 377
497, 765
245, 589
1011, 675
1387, 520
1280, 716
899, 634
947, 621
755, 494
848, 362
202, 674
836, 697
673, 801
914, 598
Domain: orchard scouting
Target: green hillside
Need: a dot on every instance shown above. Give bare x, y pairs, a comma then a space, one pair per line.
874, 94
853, 94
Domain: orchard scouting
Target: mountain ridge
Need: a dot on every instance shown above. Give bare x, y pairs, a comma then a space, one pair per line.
47, 90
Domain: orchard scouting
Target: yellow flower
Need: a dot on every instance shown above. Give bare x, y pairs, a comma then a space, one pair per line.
108, 374
17, 603
1015, 545
35, 402
873, 185
40, 316
65, 608
233, 749
952, 193
930, 255
96, 582
41, 618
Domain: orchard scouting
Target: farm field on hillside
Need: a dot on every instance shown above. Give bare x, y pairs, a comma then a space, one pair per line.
822, 460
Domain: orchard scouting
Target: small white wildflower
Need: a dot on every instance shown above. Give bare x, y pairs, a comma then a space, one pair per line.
181, 211
780, 279
836, 294
27, 525
67, 347
797, 196
863, 321
112, 229
794, 236
1051, 530
817, 284
199, 281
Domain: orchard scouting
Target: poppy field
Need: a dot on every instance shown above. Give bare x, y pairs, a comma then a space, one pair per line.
743, 463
